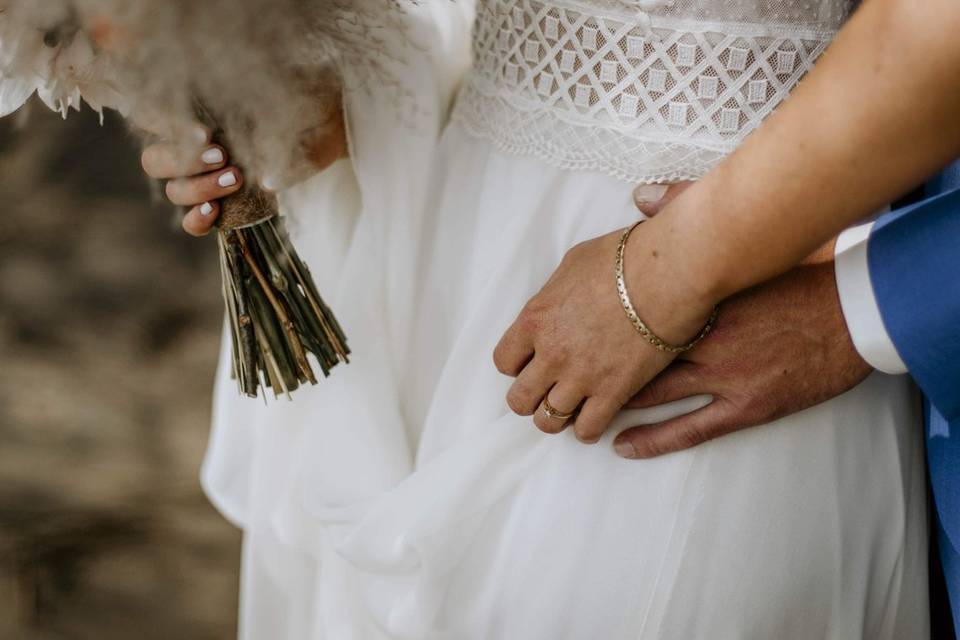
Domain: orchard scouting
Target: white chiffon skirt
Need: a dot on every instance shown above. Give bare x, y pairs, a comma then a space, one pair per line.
402, 499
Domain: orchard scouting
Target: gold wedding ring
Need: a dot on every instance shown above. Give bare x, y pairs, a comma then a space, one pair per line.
551, 412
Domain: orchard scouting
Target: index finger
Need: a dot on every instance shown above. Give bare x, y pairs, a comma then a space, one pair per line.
652, 198
514, 351
164, 161
171, 128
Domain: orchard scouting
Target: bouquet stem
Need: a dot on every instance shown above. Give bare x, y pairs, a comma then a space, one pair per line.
276, 315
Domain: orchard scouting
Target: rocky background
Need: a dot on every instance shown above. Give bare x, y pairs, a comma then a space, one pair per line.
109, 327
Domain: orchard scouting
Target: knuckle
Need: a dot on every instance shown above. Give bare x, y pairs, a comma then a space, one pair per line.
614, 393
188, 192
503, 368
753, 408
660, 392
646, 447
193, 228
519, 402
529, 320
574, 251
498, 362
588, 434
537, 305
503, 362
688, 437
546, 425
589, 428
147, 161
173, 191
653, 393
551, 357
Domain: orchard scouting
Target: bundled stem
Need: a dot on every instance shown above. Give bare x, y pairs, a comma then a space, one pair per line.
276, 315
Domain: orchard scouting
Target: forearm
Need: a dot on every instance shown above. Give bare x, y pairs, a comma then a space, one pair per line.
880, 112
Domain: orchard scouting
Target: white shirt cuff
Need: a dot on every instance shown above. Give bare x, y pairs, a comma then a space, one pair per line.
859, 302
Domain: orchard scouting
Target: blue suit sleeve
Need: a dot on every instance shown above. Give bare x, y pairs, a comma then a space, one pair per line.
914, 258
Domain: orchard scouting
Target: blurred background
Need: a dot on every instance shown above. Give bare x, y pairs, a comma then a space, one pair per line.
109, 330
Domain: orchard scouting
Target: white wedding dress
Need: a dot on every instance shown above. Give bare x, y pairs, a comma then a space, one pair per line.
402, 499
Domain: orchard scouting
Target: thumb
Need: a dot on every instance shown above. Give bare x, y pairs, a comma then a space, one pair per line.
652, 198
714, 420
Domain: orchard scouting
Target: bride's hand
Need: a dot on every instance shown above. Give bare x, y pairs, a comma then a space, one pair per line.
574, 347
199, 175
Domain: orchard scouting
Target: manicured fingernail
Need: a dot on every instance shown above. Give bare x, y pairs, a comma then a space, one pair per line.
649, 193
270, 183
228, 179
206, 209
199, 135
624, 449
213, 155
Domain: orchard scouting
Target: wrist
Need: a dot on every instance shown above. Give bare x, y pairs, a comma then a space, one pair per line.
667, 299
681, 245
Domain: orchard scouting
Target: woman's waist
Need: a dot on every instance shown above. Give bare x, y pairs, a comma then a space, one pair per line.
642, 100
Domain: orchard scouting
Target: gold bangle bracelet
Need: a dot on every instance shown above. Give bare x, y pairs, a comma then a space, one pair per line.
635, 320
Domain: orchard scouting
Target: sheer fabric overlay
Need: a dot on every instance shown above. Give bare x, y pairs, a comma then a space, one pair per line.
646, 91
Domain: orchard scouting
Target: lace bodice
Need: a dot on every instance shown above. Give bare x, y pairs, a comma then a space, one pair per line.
645, 90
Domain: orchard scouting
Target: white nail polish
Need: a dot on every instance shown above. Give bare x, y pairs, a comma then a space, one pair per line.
212, 156
206, 209
199, 135
269, 183
649, 193
227, 179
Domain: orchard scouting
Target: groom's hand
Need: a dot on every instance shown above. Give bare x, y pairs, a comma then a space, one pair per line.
776, 349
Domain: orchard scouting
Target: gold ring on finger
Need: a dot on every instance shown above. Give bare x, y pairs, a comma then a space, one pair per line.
551, 412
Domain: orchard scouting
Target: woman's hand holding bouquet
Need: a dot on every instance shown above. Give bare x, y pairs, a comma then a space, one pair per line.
199, 172
263, 79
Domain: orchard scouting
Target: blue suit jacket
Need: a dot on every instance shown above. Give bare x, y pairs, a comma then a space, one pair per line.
914, 258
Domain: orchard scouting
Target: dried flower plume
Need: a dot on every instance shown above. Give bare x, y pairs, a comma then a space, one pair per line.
269, 69
265, 76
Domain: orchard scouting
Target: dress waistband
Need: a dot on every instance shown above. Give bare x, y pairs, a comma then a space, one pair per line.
641, 97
